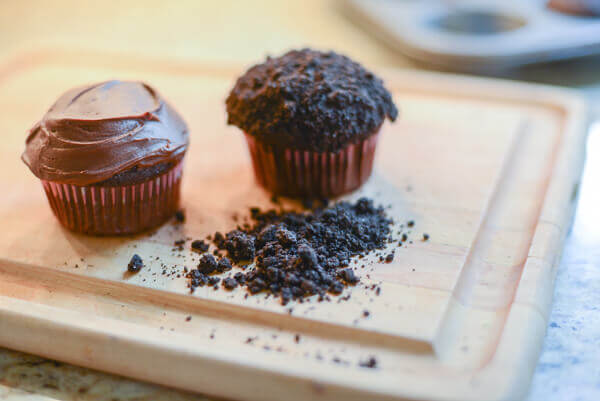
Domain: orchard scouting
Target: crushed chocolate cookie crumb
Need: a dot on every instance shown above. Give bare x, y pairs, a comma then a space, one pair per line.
180, 216
366, 313
389, 257
213, 281
199, 246
224, 265
348, 276
411, 223
135, 264
187, 319
239, 245
309, 100
240, 277
299, 254
208, 264
371, 363
425, 237
230, 283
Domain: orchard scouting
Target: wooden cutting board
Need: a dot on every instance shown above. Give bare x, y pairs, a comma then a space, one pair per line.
488, 169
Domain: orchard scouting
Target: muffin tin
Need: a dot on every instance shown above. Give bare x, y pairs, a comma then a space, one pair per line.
476, 35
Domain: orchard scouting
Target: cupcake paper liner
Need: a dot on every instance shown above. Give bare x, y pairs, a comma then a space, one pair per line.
105, 210
300, 173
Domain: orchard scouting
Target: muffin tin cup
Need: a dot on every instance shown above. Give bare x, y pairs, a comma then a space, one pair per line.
106, 210
300, 173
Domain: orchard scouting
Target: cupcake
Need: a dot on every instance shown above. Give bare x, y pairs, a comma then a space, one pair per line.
311, 121
110, 158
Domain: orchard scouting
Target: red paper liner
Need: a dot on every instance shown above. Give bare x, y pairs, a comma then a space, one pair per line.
300, 173
127, 209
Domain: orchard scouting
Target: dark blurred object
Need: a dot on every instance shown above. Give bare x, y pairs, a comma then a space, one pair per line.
492, 36
478, 22
576, 7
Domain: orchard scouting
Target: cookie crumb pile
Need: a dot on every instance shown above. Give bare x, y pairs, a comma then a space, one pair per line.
298, 254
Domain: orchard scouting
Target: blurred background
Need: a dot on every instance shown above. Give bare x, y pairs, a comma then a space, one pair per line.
556, 42
376, 32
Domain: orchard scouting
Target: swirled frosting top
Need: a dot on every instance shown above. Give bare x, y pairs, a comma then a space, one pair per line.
94, 132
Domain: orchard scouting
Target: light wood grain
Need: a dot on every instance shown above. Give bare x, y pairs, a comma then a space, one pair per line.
491, 169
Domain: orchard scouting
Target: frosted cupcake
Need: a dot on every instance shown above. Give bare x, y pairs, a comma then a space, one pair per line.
110, 158
311, 121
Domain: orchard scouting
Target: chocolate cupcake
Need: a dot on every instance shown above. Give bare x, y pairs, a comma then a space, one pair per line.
311, 120
110, 158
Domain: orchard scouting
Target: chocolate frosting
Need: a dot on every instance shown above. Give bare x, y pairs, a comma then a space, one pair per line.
309, 100
94, 132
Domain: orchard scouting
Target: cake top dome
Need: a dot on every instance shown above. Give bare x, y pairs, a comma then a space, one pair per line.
309, 100
94, 132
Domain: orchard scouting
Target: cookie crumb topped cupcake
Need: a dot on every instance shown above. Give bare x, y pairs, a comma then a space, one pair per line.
110, 158
311, 120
